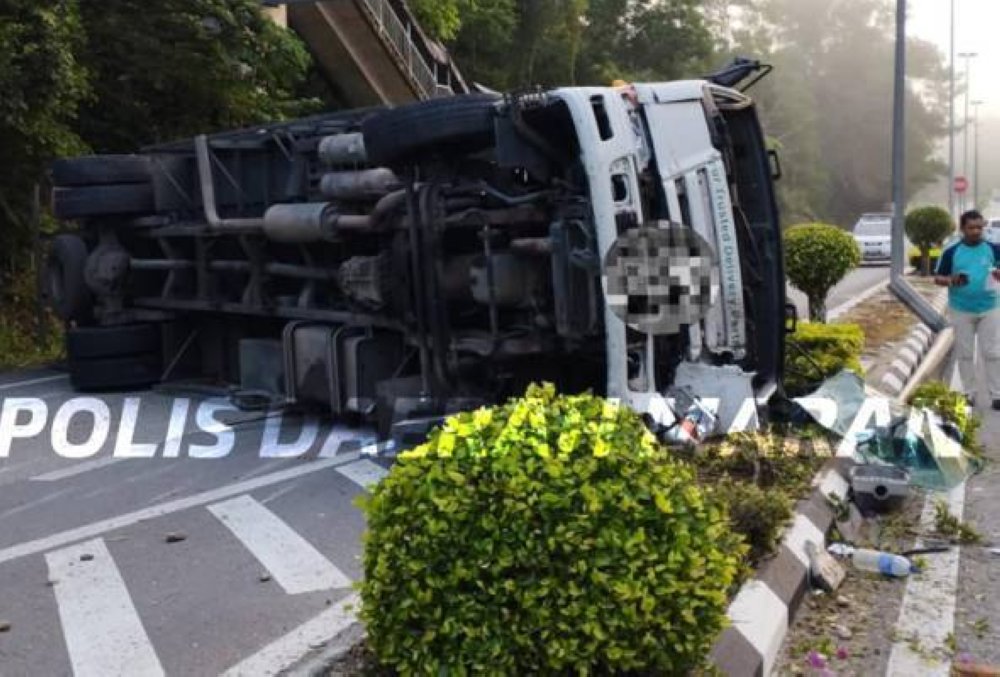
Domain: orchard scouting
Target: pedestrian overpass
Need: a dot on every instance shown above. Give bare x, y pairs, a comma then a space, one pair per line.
373, 52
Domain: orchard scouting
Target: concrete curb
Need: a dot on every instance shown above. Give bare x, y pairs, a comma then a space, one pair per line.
762, 611
910, 353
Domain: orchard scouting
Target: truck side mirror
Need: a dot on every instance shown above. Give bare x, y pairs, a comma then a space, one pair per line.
775, 161
791, 318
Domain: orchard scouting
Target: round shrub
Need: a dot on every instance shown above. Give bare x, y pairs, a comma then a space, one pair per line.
818, 256
546, 535
927, 227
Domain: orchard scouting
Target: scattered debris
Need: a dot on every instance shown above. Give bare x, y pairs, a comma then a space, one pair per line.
175, 537
824, 569
86, 557
981, 628
843, 601
265, 577
843, 632
5, 626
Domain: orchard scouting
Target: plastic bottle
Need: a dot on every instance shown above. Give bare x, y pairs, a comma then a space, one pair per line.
881, 562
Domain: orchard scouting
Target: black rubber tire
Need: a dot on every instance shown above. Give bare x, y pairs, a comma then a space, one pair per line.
64, 283
87, 343
99, 170
459, 123
115, 373
122, 198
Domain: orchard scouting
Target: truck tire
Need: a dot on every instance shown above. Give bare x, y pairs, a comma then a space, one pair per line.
462, 123
64, 284
87, 343
120, 198
99, 170
113, 373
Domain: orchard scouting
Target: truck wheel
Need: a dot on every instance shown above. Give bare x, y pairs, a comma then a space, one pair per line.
91, 170
64, 284
88, 343
122, 198
463, 123
132, 371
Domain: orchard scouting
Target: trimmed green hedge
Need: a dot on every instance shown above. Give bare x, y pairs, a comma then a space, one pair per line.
548, 535
827, 348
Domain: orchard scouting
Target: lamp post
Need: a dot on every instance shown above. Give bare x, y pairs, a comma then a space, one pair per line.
975, 152
951, 117
968, 56
897, 282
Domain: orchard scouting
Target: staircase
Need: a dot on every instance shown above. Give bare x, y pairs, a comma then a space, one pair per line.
373, 52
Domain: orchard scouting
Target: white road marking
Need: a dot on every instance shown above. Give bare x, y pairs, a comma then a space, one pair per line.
76, 469
33, 504
289, 649
770, 619
295, 564
928, 610
34, 381
364, 473
103, 631
93, 529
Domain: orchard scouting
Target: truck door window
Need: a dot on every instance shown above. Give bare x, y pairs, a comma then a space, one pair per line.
619, 187
601, 117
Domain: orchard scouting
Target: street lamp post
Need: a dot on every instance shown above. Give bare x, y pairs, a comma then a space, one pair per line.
968, 56
897, 282
951, 117
975, 151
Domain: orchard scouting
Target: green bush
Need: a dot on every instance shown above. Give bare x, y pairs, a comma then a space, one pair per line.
547, 535
927, 227
951, 406
19, 340
760, 515
818, 256
817, 351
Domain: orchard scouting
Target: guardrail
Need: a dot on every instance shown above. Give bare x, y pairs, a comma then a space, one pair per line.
397, 35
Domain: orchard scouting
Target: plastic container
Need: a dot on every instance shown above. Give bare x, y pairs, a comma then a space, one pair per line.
881, 563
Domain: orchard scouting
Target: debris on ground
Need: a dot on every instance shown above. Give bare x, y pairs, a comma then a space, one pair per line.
175, 537
5, 626
265, 577
86, 557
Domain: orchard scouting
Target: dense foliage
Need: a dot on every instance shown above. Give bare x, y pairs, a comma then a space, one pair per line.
927, 227
547, 535
818, 256
817, 351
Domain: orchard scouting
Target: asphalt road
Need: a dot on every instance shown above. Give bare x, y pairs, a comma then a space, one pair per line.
262, 548
857, 282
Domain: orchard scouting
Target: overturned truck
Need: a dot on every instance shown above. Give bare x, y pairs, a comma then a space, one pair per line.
394, 265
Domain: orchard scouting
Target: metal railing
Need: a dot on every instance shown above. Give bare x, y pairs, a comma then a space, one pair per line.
397, 35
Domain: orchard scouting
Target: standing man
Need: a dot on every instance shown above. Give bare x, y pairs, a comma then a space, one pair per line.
969, 268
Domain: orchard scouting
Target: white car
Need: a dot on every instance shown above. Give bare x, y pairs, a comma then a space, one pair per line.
873, 233
992, 233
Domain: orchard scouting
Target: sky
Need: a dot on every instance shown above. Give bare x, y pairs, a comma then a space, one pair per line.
977, 23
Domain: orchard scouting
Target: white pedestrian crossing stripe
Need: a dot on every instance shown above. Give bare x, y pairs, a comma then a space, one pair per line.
293, 562
364, 473
104, 635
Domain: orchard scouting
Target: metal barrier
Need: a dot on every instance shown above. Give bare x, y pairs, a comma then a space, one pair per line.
397, 35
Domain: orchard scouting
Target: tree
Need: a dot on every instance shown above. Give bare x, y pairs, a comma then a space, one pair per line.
166, 69
829, 103
927, 227
41, 85
818, 256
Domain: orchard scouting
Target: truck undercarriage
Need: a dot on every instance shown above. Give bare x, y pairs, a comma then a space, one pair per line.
395, 265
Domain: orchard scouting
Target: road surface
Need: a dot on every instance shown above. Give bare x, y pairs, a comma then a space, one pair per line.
177, 566
856, 283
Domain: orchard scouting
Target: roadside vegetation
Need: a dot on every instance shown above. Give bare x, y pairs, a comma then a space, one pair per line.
554, 533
